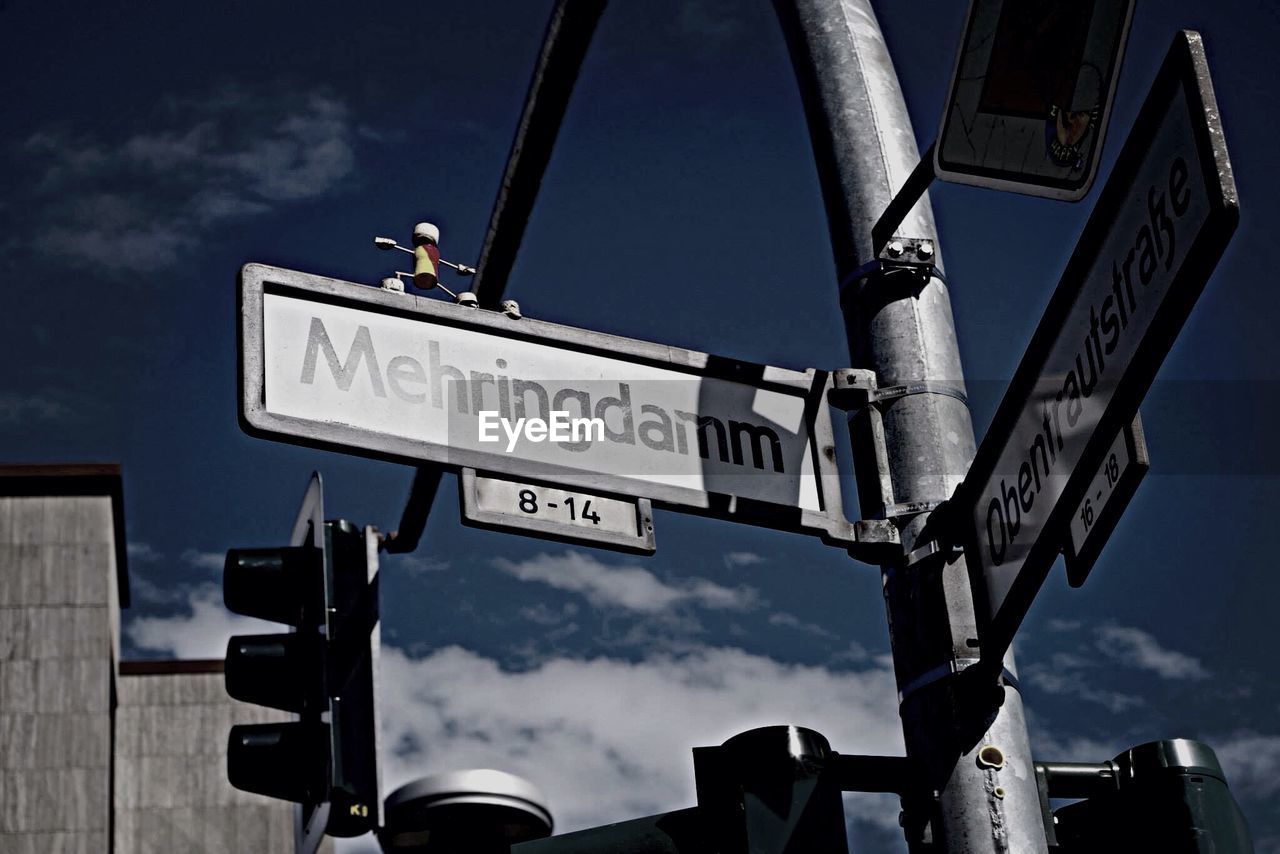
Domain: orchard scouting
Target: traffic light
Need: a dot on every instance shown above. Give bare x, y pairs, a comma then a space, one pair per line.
1169, 796
324, 671
771, 790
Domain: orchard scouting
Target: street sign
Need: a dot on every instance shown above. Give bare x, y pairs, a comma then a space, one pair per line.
1125, 465
555, 513
1031, 95
1161, 224
354, 368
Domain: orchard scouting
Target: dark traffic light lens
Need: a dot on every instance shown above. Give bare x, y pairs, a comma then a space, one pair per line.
285, 760
279, 670
284, 585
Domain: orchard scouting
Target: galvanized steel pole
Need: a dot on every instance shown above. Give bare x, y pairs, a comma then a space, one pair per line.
986, 800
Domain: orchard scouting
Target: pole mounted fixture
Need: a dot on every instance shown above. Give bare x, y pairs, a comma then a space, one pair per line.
387, 243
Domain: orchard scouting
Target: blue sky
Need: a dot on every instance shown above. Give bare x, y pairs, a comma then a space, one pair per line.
147, 156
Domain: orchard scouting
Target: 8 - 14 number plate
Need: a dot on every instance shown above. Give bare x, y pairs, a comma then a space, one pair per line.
553, 512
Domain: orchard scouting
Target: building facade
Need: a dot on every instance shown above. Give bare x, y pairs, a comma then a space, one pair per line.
99, 755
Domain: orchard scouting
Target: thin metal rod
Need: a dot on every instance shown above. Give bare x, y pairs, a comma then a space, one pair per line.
919, 180
864, 150
564, 47
413, 519
1079, 779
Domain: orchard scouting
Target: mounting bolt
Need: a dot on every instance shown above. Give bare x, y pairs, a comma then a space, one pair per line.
925, 249
468, 299
392, 283
894, 248
511, 309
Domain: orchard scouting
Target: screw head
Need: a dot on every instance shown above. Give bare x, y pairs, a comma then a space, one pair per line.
894, 248
925, 249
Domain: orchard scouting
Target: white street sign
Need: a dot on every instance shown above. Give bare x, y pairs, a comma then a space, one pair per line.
355, 368
1159, 228
553, 512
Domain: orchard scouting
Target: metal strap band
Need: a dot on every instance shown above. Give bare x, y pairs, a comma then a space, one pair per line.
930, 549
893, 392
906, 389
910, 508
875, 266
943, 671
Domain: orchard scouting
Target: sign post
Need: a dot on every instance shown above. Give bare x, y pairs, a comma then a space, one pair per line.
1161, 224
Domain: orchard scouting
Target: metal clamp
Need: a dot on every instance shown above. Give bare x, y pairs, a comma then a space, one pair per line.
893, 392
912, 255
950, 668
942, 550
910, 508
888, 394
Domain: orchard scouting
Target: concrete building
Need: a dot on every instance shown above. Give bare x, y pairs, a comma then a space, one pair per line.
98, 755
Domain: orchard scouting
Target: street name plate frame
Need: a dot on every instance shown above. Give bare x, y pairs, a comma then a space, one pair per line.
1000, 129
805, 497
494, 503
1181, 98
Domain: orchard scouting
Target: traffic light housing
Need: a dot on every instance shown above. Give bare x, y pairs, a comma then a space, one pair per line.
1169, 796
324, 671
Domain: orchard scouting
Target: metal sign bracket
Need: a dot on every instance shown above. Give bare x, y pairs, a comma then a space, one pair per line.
901, 265
856, 391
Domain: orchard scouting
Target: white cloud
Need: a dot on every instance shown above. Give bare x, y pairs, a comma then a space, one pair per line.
143, 589
143, 552
16, 409
1251, 763
1068, 674
412, 564
733, 559
1056, 747
142, 204
1139, 649
201, 634
204, 560
629, 588
543, 615
783, 618
609, 739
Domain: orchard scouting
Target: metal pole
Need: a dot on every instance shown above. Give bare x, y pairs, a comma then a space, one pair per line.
564, 47
986, 800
